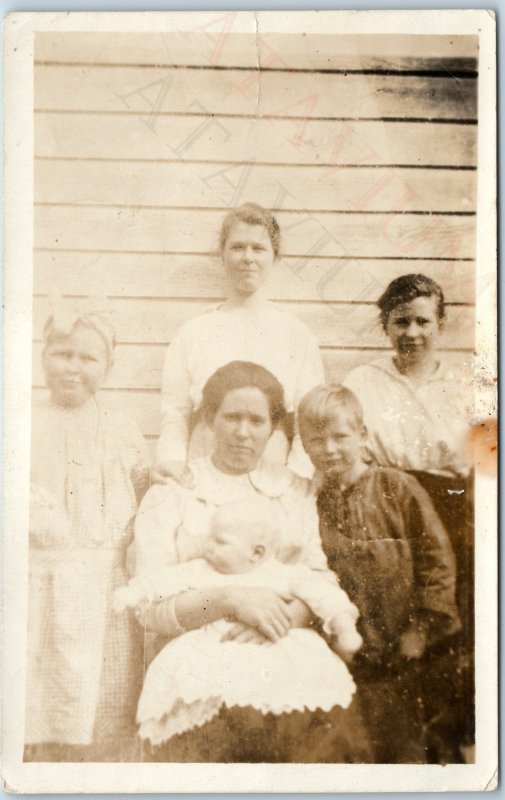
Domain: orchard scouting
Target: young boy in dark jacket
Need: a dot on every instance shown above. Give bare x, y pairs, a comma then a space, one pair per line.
392, 556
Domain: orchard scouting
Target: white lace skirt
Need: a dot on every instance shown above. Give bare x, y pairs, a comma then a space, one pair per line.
196, 674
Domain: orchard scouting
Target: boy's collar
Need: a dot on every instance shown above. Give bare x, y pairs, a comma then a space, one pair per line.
320, 478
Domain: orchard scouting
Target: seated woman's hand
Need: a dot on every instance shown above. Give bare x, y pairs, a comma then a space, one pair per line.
299, 614
262, 610
243, 634
175, 470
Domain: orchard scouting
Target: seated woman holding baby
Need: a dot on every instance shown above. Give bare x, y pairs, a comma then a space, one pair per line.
223, 545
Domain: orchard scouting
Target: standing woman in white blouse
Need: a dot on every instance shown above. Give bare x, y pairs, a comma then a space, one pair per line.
245, 327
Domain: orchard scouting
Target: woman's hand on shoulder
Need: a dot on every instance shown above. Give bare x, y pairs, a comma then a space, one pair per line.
178, 471
261, 609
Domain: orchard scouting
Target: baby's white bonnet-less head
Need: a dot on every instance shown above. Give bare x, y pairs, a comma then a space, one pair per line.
255, 518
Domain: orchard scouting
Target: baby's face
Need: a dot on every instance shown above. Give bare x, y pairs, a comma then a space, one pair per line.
227, 550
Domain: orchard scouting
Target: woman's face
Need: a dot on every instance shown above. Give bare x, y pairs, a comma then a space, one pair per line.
75, 366
248, 257
413, 328
242, 428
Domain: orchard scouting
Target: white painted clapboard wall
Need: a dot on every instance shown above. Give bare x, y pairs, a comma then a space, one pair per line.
365, 147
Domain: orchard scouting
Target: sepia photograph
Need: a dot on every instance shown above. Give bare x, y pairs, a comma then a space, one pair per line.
250, 402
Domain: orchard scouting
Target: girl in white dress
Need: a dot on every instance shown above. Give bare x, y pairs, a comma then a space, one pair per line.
245, 327
181, 691
89, 468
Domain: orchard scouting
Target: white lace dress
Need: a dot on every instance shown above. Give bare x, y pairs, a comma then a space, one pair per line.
171, 528
197, 674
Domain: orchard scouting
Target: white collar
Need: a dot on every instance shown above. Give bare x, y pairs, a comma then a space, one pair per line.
387, 365
218, 487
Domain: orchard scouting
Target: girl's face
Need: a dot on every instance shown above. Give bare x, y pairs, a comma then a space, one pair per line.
242, 428
75, 366
413, 328
248, 257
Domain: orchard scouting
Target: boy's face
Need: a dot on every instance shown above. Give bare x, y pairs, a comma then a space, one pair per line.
227, 550
336, 446
75, 366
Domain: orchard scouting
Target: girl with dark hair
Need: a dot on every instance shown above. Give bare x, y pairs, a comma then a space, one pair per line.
245, 326
413, 403
416, 409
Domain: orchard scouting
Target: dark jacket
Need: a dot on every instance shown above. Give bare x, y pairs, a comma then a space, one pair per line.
392, 556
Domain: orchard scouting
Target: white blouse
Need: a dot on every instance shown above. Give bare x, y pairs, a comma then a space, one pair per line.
265, 335
173, 523
410, 425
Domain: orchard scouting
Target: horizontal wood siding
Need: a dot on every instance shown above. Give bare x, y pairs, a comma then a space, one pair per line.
200, 138
220, 45
169, 185
272, 94
175, 275
366, 151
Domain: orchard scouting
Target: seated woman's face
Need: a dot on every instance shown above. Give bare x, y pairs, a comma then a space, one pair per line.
248, 257
413, 327
242, 428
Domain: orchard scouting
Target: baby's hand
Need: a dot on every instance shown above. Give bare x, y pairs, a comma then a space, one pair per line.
348, 640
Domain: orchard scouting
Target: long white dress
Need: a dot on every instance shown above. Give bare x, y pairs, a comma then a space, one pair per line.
265, 335
196, 674
83, 661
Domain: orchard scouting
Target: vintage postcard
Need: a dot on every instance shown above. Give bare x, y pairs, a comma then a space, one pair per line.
250, 529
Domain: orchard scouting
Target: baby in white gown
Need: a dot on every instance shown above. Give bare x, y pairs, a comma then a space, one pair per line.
200, 671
